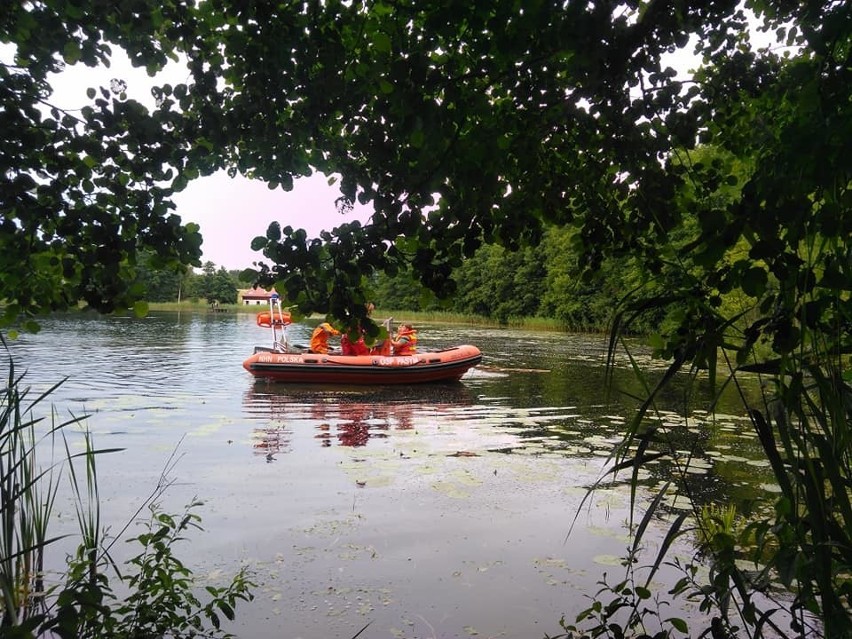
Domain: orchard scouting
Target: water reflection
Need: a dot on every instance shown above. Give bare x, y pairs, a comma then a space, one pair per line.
456, 421
345, 415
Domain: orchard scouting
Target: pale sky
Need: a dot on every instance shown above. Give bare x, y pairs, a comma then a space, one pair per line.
232, 212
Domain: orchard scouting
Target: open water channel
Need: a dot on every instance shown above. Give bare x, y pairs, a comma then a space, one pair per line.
426, 512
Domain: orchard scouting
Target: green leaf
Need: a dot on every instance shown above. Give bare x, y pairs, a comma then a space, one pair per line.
754, 281
72, 53
273, 232
31, 326
679, 624
140, 308
417, 138
381, 41
227, 610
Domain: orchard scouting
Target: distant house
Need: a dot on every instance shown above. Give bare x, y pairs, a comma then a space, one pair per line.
253, 296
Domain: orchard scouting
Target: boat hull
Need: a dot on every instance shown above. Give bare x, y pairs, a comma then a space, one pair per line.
307, 368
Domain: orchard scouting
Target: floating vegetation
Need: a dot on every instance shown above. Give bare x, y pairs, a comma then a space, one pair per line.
695, 470
760, 463
677, 502
608, 560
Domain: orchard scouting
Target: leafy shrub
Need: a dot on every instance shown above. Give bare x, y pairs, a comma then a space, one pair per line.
158, 593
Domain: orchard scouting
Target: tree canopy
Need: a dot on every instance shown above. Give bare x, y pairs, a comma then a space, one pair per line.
81, 191
462, 123
466, 124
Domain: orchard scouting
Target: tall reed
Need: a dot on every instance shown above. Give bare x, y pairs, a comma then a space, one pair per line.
27, 496
160, 598
787, 573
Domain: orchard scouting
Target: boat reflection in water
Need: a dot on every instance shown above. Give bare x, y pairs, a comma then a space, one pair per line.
345, 415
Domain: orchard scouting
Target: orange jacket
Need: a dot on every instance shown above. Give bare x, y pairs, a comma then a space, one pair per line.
319, 338
358, 347
405, 342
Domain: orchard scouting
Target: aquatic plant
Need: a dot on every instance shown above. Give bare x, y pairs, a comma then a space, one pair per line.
158, 594
787, 573
27, 496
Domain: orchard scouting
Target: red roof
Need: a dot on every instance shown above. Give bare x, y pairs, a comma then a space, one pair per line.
256, 294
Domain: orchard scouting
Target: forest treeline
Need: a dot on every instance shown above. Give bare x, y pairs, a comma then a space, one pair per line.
212, 283
496, 283
533, 281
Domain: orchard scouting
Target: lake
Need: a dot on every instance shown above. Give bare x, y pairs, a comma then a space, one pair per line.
427, 511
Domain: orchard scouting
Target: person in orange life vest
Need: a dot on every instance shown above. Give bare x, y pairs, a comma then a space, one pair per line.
358, 347
319, 338
405, 340
384, 347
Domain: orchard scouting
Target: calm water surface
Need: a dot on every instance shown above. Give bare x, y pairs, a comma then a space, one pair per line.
431, 511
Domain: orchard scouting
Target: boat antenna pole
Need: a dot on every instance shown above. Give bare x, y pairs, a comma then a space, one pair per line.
276, 317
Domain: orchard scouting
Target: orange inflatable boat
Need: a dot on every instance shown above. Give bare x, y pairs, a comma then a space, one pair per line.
285, 364
439, 366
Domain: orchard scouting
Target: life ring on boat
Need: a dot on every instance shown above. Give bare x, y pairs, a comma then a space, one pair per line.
273, 319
